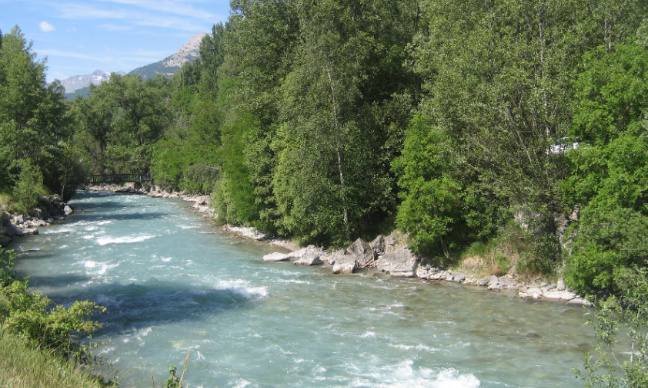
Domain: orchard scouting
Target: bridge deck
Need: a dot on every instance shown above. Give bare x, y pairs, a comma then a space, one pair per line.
118, 178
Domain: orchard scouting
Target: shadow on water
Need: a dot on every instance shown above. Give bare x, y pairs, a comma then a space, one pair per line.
116, 217
56, 281
85, 206
134, 306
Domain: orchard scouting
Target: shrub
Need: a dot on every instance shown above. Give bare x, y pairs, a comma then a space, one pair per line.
28, 187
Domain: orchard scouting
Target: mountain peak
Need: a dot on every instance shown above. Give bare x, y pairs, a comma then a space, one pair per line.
187, 52
171, 64
77, 82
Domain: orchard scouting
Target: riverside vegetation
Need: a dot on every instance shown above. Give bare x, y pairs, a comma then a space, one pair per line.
508, 133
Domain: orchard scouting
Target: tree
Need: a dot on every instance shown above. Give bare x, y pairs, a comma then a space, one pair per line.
122, 119
497, 79
32, 114
258, 54
608, 172
331, 181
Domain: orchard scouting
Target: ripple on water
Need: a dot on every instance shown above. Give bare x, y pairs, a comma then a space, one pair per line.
124, 240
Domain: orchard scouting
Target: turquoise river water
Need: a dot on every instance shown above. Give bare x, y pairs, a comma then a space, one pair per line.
172, 281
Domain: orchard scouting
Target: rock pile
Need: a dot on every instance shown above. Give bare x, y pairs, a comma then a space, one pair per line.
390, 255
47, 211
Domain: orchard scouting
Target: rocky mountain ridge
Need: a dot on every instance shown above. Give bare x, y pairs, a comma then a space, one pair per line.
168, 66
77, 82
173, 63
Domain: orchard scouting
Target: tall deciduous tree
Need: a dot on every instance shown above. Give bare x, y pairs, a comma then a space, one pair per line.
32, 114
609, 172
330, 180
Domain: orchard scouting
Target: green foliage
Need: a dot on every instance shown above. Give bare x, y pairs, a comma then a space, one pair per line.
30, 316
36, 345
234, 192
7, 264
119, 123
620, 324
430, 209
33, 120
608, 172
173, 381
608, 241
28, 188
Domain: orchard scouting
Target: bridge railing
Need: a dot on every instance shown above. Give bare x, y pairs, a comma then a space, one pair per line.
118, 178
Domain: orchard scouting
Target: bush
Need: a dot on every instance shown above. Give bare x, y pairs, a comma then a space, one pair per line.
28, 187
608, 242
620, 362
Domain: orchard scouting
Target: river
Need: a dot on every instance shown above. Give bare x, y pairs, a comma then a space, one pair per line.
172, 281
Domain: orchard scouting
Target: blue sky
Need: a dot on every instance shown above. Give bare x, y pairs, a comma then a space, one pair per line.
79, 37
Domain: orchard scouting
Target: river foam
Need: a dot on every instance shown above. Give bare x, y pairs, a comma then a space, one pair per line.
123, 240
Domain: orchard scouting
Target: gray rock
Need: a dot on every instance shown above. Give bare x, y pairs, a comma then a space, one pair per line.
310, 255
309, 260
438, 274
67, 210
483, 282
431, 273
378, 245
18, 219
560, 286
458, 278
276, 257
30, 231
345, 264
563, 295
580, 301
331, 258
507, 282
532, 292
362, 253
390, 243
423, 272
399, 263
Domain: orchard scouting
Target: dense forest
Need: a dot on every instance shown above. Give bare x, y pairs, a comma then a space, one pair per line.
509, 129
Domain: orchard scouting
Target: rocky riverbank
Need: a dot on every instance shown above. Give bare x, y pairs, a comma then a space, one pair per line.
391, 256
385, 254
49, 210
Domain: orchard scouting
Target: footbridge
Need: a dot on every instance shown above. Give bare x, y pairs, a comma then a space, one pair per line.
118, 178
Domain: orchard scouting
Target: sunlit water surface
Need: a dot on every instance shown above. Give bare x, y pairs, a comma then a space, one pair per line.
172, 281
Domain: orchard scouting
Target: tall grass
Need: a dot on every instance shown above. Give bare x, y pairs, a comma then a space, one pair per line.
22, 366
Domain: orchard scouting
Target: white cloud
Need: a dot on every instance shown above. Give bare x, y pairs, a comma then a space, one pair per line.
124, 15
180, 8
46, 27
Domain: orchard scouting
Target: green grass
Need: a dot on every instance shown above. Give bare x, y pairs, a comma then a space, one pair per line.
23, 366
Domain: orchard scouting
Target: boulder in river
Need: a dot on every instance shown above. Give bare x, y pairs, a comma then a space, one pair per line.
362, 253
345, 264
378, 245
310, 255
398, 263
276, 257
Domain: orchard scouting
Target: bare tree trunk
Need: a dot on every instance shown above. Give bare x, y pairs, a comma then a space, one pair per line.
338, 152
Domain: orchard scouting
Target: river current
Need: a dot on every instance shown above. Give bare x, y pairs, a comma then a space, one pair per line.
172, 281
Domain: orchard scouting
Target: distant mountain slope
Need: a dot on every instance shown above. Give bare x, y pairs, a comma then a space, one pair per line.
77, 82
169, 65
